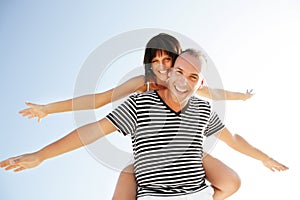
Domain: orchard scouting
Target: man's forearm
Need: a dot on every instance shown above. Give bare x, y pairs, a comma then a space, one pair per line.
76, 139
241, 145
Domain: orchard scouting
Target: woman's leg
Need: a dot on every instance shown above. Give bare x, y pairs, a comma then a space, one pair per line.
223, 179
126, 185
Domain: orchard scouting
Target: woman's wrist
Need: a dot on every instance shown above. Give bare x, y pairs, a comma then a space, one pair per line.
244, 96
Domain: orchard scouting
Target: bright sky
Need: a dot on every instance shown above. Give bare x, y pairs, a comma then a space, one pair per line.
44, 47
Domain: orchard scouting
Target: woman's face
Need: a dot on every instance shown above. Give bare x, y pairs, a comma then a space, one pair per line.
161, 65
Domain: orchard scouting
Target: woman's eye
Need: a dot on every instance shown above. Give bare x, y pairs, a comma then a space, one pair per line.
166, 60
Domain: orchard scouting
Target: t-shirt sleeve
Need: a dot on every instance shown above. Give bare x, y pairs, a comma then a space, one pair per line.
124, 116
214, 125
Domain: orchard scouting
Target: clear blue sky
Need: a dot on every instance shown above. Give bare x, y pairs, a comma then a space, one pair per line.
44, 44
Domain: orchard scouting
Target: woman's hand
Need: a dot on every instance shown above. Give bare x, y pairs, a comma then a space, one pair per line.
249, 93
34, 110
20, 163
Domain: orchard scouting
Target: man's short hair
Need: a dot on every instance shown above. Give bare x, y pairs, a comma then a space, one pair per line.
197, 54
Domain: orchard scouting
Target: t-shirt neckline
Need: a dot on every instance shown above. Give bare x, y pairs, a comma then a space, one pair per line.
169, 108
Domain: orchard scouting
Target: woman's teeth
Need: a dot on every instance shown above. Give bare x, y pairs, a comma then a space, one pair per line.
163, 71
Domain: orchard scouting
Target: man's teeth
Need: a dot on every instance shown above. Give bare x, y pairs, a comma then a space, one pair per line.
180, 90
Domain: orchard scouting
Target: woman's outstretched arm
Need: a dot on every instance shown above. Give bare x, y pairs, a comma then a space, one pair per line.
90, 101
239, 144
74, 140
220, 94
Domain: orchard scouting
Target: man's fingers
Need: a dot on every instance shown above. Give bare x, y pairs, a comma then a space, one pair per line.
4, 163
17, 160
19, 169
11, 163
11, 167
276, 166
29, 104
282, 168
271, 168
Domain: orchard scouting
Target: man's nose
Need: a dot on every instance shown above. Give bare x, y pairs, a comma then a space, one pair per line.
182, 80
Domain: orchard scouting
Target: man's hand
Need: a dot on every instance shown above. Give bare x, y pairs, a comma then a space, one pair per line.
20, 163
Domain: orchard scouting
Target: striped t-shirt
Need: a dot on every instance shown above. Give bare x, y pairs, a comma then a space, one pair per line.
167, 145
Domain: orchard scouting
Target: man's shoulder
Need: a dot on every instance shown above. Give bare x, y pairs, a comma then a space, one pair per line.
197, 100
197, 104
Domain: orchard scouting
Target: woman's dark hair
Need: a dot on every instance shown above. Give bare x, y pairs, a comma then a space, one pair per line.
157, 45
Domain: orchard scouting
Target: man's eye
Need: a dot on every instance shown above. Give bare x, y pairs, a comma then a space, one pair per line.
194, 78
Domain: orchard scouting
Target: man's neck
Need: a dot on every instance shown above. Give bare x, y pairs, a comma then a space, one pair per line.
171, 100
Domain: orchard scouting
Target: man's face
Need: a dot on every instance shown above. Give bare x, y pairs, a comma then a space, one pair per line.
184, 77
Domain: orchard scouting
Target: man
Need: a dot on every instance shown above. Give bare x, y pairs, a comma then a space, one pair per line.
167, 129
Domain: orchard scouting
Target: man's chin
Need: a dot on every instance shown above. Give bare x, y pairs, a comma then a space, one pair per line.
182, 98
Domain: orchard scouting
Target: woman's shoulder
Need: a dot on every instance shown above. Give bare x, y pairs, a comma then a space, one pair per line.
144, 97
140, 78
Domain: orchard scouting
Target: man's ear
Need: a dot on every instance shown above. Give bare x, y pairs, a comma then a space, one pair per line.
202, 83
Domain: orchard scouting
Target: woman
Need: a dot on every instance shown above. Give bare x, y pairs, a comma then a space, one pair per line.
136, 84
160, 54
